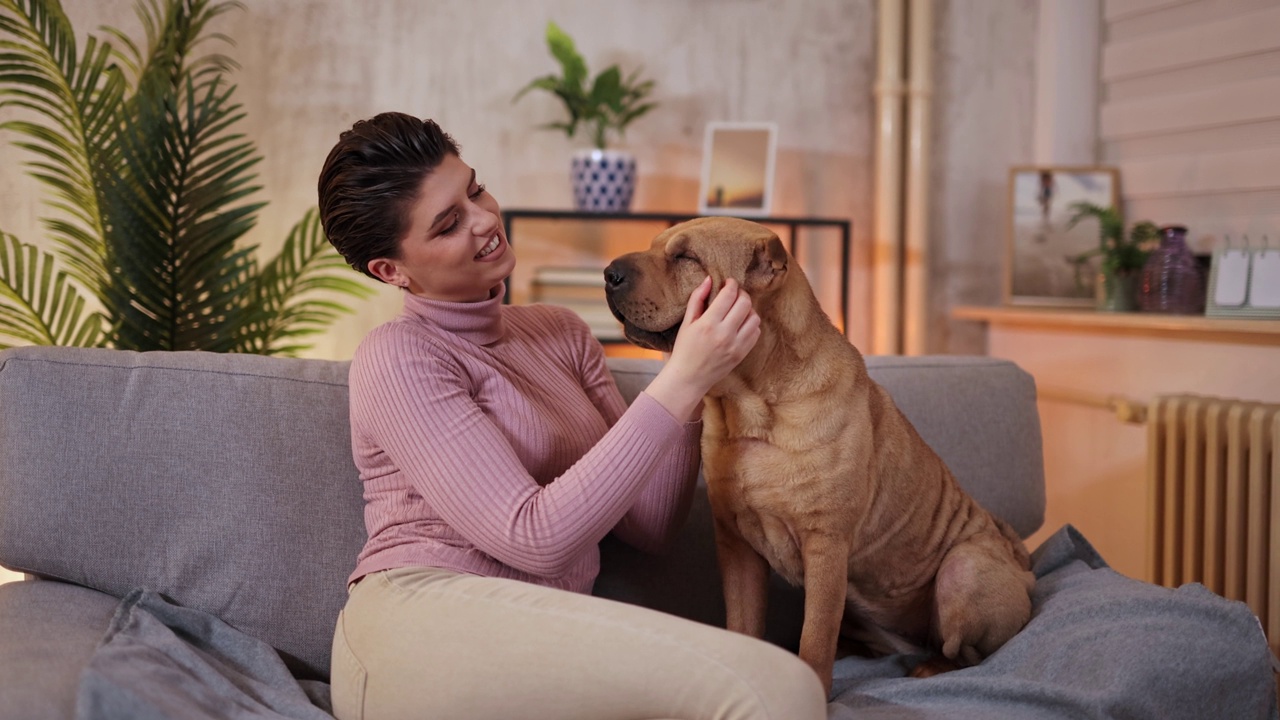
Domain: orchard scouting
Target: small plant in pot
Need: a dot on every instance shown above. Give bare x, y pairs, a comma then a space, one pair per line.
603, 179
1122, 255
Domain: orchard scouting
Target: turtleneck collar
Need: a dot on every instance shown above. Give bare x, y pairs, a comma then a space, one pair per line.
480, 323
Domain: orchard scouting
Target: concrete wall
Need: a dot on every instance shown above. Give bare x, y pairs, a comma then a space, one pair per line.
984, 102
309, 68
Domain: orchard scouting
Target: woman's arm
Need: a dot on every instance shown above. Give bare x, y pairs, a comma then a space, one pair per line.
416, 405
714, 337
662, 507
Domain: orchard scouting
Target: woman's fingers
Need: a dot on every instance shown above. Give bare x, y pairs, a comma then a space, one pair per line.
739, 311
697, 301
724, 300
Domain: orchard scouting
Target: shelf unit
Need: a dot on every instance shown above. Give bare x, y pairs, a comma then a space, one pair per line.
793, 224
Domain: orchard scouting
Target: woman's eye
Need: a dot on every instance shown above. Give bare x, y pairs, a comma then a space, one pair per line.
453, 224
479, 191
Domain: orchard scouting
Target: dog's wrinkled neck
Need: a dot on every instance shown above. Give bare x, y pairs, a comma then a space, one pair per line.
789, 338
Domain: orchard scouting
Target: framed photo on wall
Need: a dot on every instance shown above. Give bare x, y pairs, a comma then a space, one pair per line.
1040, 265
737, 168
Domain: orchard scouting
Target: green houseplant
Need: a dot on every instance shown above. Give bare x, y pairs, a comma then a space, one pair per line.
1122, 255
603, 106
150, 187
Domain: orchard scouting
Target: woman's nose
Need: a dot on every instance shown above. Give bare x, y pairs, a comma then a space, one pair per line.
486, 223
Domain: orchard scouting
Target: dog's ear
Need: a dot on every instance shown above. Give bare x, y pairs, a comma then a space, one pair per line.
769, 264
677, 244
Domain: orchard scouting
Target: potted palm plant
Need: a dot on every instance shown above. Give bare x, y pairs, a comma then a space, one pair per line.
1122, 255
603, 179
151, 194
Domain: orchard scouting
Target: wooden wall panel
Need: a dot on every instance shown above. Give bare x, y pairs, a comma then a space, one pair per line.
1191, 114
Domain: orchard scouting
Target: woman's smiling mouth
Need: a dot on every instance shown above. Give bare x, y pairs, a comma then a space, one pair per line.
489, 248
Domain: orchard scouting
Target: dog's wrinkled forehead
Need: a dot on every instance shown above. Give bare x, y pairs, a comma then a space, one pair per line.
723, 247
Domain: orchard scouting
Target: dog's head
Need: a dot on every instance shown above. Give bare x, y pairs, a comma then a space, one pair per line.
649, 290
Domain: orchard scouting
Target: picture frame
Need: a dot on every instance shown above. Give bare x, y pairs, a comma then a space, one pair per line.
1041, 244
737, 168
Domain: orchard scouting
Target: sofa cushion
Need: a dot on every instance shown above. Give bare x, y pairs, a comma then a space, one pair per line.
979, 414
49, 631
225, 482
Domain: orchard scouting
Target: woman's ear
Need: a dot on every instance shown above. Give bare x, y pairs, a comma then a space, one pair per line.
388, 272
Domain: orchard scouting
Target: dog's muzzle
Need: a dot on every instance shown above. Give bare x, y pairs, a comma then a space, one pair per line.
619, 289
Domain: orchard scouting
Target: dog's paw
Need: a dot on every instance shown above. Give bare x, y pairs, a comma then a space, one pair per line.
934, 665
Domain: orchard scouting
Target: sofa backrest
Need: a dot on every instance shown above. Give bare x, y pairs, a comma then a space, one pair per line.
978, 413
226, 482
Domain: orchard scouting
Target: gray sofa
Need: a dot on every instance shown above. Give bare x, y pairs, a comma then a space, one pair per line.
187, 521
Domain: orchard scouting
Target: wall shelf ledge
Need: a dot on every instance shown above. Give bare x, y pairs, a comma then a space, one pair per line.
1187, 327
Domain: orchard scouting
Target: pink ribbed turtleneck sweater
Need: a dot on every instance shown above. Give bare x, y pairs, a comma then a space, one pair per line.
491, 439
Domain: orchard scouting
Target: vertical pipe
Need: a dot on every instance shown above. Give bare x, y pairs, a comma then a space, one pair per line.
1068, 65
915, 298
886, 248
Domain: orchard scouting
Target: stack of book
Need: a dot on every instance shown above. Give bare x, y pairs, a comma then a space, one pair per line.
581, 289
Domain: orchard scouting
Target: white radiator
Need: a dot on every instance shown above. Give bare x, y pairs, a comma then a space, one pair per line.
1213, 466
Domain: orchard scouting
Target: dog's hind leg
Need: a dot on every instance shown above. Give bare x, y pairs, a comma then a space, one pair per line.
982, 597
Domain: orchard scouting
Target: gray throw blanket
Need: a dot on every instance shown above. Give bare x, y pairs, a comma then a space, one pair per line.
160, 661
1099, 645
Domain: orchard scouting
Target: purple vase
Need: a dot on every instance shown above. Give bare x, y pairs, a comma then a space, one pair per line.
1172, 281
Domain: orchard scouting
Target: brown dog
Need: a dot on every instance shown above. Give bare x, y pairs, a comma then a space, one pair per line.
813, 470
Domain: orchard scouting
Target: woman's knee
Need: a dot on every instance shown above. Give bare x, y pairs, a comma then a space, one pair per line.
784, 685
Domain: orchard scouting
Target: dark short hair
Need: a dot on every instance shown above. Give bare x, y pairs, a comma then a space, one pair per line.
370, 180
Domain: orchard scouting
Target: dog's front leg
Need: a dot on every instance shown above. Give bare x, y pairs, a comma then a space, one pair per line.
745, 575
826, 578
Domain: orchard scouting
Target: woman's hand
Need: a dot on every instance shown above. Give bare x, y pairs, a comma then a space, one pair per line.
712, 340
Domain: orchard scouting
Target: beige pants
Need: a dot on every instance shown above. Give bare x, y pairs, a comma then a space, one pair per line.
429, 644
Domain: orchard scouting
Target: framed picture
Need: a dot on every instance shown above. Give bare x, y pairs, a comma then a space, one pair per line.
737, 168
1042, 264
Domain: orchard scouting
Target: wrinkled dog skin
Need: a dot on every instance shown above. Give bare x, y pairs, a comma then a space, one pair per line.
813, 470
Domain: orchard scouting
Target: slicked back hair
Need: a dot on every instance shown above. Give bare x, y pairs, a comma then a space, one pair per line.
370, 180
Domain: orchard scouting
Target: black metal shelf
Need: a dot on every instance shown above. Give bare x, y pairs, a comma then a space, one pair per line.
845, 228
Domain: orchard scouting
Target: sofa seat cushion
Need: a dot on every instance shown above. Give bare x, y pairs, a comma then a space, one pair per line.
48, 632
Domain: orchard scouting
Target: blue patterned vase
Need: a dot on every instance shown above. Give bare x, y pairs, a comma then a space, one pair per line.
603, 180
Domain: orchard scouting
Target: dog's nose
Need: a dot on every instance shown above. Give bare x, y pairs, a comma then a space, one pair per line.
614, 276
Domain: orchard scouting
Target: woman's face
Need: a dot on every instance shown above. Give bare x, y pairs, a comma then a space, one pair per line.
456, 248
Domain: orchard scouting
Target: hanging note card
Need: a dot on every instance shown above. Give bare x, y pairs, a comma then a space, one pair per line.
1264, 280
1231, 276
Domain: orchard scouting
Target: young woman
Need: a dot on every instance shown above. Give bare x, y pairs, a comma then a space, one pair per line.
495, 453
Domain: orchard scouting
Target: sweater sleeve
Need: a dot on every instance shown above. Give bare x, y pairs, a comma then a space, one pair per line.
662, 507
415, 404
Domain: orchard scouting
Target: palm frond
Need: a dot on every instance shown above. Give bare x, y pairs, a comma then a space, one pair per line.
179, 207
42, 306
78, 93
291, 298
151, 188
